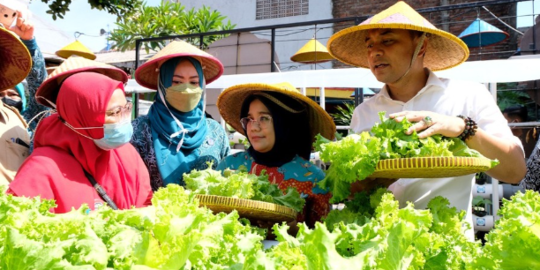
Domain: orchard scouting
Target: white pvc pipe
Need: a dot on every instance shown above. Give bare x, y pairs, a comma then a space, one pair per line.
485, 191
484, 223
493, 90
223, 123
495, 197
322, 99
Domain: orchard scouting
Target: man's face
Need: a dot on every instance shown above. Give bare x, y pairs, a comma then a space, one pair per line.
389, 53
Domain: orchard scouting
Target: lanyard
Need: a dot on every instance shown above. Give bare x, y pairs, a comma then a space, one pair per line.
101, 191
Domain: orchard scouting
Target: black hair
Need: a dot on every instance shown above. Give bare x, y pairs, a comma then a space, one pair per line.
292, 130
517, 111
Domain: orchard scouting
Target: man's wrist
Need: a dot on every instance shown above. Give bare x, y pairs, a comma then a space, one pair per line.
469, 130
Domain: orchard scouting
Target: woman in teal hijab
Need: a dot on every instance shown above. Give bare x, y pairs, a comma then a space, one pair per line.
176, 137
15, 97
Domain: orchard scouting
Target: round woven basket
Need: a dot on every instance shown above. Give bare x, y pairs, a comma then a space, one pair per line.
430, 167
248, 208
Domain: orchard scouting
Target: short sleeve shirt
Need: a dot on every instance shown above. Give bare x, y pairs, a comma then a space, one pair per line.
447, 97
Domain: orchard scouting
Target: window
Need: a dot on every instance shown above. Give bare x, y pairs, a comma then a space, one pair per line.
271, 9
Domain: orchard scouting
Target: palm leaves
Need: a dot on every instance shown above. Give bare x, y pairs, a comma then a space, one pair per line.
168, 19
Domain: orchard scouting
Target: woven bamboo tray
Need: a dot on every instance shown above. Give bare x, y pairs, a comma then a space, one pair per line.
430, 167
249, 209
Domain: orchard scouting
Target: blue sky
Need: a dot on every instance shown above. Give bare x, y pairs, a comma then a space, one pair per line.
83, 19
525, 11
89, 21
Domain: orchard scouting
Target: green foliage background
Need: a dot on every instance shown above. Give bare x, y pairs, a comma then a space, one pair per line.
168, 19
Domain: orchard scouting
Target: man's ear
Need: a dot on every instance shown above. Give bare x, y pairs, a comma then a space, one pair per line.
423, 50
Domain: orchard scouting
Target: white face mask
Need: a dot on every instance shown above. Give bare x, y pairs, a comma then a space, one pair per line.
183, 97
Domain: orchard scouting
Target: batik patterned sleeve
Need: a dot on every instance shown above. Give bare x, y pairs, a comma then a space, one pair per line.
217, 146
37, 75
304, 176
532, 178
143, 143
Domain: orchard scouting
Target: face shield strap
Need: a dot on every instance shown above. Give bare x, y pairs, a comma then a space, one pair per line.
75, 129
414, 56
48, 101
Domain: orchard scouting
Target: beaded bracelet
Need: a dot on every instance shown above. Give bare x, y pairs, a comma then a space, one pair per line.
470, 128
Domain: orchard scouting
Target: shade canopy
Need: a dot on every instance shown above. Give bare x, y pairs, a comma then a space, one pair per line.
312, 52
76, 48
366, 90
480, 33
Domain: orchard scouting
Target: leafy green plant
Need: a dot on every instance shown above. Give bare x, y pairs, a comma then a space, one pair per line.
344, 114
245, 142
243, 185
166, 20
511, 94
343, 117
355, 157
120, 8
480, 205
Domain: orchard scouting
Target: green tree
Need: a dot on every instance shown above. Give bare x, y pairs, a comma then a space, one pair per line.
166, 20
511, 94
120, 8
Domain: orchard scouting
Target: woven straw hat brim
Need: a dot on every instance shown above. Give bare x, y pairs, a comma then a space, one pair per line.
312, 57
50, 87
230, 102
444, 50
15, 60
147, 74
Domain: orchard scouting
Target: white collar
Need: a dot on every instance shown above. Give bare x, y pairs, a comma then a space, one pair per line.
433, 83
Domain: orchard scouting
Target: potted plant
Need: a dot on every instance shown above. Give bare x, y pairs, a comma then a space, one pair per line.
481, 178
480, 206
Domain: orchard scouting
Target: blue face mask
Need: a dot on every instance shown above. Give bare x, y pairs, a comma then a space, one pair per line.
115, 135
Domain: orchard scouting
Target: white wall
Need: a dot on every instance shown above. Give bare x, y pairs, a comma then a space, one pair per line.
288, 40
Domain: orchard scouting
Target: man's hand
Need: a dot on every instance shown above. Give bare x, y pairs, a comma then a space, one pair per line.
23, 28
369, 184
430, 123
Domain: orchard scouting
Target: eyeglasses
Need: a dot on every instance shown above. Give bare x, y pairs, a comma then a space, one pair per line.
263, 122
120, 112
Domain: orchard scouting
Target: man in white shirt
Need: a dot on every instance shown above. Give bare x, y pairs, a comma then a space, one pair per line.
401, 48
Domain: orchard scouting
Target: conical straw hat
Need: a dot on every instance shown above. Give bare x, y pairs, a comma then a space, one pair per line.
231, 99
480, 33
76, 48
312, 52
15, 60
75, 64
444, 50
148, 73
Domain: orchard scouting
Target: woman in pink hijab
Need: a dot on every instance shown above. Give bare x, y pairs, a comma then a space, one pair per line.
85, 146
